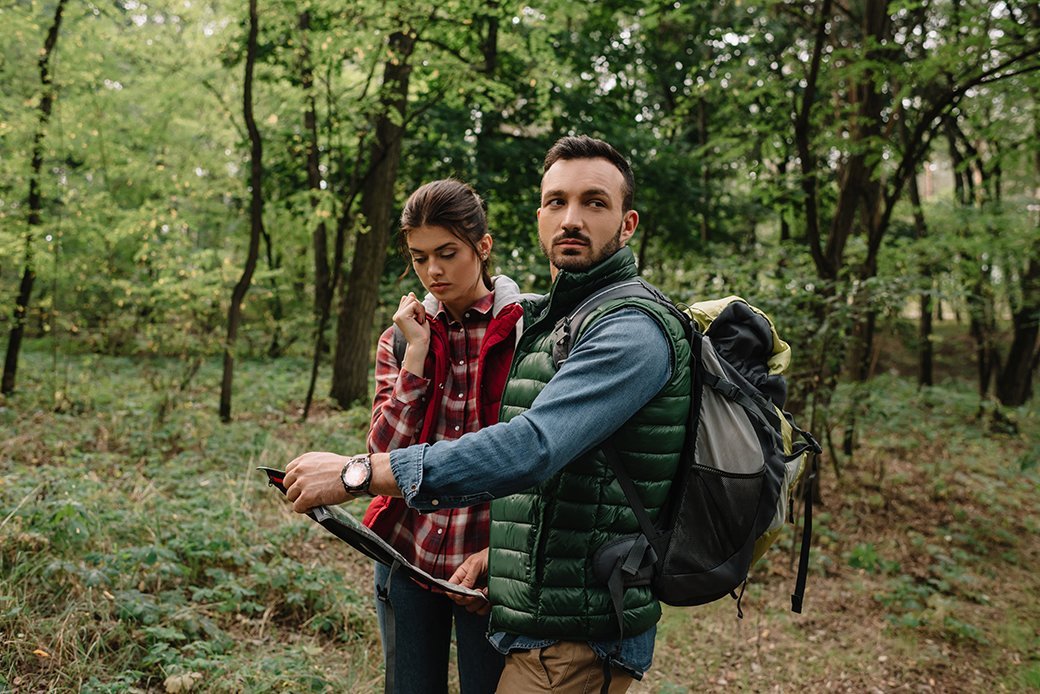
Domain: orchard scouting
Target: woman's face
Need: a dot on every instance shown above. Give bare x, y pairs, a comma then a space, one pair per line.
447, 266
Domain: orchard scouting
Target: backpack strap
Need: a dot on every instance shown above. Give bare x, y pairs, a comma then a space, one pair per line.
803, 560
568, 327
631, 567
389, 636
399, 346
651, 533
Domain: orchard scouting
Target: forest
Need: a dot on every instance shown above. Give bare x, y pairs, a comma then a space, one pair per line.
199, 206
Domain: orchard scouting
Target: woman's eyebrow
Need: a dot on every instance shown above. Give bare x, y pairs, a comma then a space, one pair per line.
435, 250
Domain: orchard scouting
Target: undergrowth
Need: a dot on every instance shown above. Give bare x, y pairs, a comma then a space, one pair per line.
140, 549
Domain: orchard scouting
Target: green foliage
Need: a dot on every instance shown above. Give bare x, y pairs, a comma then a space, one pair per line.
142, 547
864, 556
138, 549
145, 176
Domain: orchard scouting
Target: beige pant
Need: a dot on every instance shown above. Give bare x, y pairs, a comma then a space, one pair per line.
565, 667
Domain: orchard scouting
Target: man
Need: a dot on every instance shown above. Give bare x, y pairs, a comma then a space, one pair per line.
556, 500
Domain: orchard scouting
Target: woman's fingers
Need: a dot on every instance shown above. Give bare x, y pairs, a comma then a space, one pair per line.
410, 307
411, 319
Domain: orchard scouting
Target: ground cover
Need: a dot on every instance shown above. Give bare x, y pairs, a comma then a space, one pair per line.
140, 550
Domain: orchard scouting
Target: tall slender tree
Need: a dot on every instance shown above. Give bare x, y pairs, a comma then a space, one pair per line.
361, 295
35, 204
256, 222
1015, 380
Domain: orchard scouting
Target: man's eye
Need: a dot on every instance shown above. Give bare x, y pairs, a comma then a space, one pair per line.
555, 202
597, 203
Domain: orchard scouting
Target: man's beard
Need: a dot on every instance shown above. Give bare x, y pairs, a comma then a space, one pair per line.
581, 263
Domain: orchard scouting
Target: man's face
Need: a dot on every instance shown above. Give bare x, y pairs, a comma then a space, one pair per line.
580, 222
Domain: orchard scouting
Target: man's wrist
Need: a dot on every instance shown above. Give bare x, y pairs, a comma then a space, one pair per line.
383, 482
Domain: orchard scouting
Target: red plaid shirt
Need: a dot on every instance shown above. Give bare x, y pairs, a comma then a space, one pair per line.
436, 542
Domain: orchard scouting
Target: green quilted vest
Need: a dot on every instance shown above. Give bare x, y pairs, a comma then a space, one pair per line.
542, 540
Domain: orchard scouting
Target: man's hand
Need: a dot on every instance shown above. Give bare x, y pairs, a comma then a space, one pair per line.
471, 573
313, 480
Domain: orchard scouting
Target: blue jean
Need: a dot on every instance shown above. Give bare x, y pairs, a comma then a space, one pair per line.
422, 638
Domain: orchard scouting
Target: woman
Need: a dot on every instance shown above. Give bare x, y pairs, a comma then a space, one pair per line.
457, 348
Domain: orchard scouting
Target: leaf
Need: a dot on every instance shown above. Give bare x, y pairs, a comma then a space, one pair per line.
182, 683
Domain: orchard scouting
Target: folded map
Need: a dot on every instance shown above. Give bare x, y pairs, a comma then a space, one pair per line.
347, 528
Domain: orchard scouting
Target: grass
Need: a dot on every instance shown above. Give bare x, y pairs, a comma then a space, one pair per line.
140, 550
139, 545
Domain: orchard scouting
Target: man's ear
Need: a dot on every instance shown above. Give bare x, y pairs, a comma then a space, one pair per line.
629, 222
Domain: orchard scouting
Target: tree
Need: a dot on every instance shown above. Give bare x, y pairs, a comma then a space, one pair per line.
34, 200
256, 222
357, 309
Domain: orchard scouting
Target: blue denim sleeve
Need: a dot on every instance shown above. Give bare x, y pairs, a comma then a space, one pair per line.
616, 367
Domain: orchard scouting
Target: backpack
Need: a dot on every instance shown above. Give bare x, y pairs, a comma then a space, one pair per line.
741, 462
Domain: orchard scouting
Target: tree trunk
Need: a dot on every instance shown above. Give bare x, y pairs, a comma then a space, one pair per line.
491, 118
981, 302
322, 277
961, 178
1015, 382
256, 222
276, 347
860, 193
925, 354
803, 141
358, 305
785, 224
35, 204
323, 286
704, 208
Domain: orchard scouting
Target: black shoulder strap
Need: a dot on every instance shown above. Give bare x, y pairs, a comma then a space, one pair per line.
389, 632
400, 345
568, 327
814, 450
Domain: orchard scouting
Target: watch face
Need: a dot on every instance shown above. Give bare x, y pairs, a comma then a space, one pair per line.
355, 475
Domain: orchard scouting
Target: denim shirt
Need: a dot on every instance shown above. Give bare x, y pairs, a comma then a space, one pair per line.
620, 363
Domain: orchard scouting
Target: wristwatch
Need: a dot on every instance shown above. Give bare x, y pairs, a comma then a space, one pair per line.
357, 475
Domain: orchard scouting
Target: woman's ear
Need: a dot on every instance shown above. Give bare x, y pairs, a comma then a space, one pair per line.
484, 246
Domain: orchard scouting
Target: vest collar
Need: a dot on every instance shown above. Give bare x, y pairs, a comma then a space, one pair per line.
571, 287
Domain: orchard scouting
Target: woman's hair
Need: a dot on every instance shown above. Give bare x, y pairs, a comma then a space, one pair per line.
451, 204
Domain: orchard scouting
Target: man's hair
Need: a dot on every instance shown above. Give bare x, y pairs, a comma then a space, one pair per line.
585, 147
451, 204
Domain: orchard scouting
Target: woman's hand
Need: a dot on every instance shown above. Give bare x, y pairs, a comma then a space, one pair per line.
472, 573
412, 321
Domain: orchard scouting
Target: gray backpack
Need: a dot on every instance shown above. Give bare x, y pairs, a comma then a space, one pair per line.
741, 461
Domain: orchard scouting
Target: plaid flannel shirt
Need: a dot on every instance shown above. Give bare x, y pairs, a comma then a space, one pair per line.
440, 541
